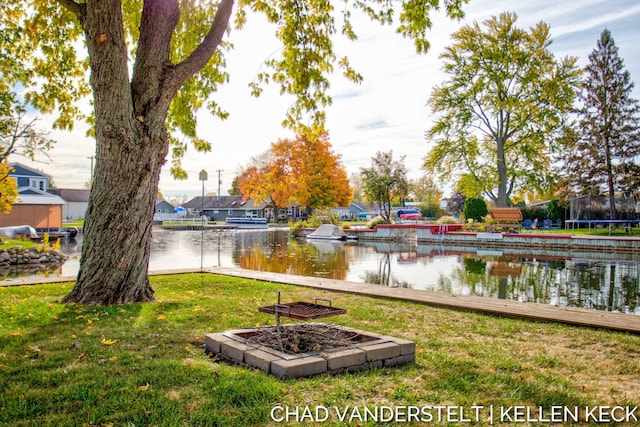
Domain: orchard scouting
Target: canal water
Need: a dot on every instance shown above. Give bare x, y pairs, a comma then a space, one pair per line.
594, 280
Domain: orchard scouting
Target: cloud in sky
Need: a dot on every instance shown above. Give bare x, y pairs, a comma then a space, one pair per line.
387, 111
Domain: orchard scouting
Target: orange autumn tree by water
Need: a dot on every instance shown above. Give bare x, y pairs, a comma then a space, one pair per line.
304, 171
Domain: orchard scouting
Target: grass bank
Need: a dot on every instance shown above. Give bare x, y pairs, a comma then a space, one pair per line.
144, 364
6, 243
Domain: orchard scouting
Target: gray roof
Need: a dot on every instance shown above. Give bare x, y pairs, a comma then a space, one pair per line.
72, 194
222, 202
32, 196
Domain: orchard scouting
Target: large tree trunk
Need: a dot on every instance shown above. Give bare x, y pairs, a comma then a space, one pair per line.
610, 182
132, 142
501, 165
130, 151
117, 233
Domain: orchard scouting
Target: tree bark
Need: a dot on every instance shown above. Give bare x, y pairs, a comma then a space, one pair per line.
131, 143
502, 200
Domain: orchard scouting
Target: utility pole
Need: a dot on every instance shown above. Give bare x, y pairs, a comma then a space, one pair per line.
219, 180
203, 177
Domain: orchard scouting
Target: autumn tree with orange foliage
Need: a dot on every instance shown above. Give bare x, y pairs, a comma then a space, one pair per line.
304, 171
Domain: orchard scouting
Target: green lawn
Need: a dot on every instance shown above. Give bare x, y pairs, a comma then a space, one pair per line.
616, 231
74, 223
144, 364
9, 243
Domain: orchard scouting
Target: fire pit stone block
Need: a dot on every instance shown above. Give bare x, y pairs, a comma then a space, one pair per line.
233, 350
260, 359
344, 358
400, 360
382, 351
304, 367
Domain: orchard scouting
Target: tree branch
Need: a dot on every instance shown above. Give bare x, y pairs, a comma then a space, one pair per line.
201, 55
78, 9
158, 22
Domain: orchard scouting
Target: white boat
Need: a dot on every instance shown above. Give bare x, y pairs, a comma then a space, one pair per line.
19, 231
328, 232
248, 222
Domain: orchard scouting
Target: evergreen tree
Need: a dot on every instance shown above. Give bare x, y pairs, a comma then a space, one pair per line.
602, 152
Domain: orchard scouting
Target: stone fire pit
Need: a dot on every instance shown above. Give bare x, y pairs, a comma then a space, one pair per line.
354, 350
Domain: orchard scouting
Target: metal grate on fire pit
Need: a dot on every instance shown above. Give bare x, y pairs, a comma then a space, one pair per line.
303, 310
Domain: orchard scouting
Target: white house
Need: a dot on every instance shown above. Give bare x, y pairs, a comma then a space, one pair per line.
76, 202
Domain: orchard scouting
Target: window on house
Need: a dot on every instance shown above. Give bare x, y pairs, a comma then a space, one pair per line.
37, 183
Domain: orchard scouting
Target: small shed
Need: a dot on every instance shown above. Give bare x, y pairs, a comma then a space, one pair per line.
39, 209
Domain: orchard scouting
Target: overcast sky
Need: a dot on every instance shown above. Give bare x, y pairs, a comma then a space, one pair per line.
386, 112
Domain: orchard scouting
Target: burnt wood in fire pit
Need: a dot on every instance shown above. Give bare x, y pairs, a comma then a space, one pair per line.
303, 310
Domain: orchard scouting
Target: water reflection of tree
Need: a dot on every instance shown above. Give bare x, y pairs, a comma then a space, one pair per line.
291, 256
383, 276
601, 286
504, 278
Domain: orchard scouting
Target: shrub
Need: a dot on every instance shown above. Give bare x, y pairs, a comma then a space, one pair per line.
375, 221
534, 213
448, 220
554, 210
431, 210
319, 217
475, 208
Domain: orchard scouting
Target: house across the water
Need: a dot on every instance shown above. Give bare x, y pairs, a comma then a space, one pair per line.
34, 206
219, 208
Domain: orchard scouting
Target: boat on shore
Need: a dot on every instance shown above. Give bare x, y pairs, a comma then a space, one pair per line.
328, 232
248, 222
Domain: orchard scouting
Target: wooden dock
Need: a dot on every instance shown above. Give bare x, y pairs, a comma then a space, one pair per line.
507, 308
523, 310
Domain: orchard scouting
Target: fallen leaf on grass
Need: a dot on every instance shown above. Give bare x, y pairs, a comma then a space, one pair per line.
108, 342
173, 395
144, 387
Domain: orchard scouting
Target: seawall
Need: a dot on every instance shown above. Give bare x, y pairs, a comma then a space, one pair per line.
451, 234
